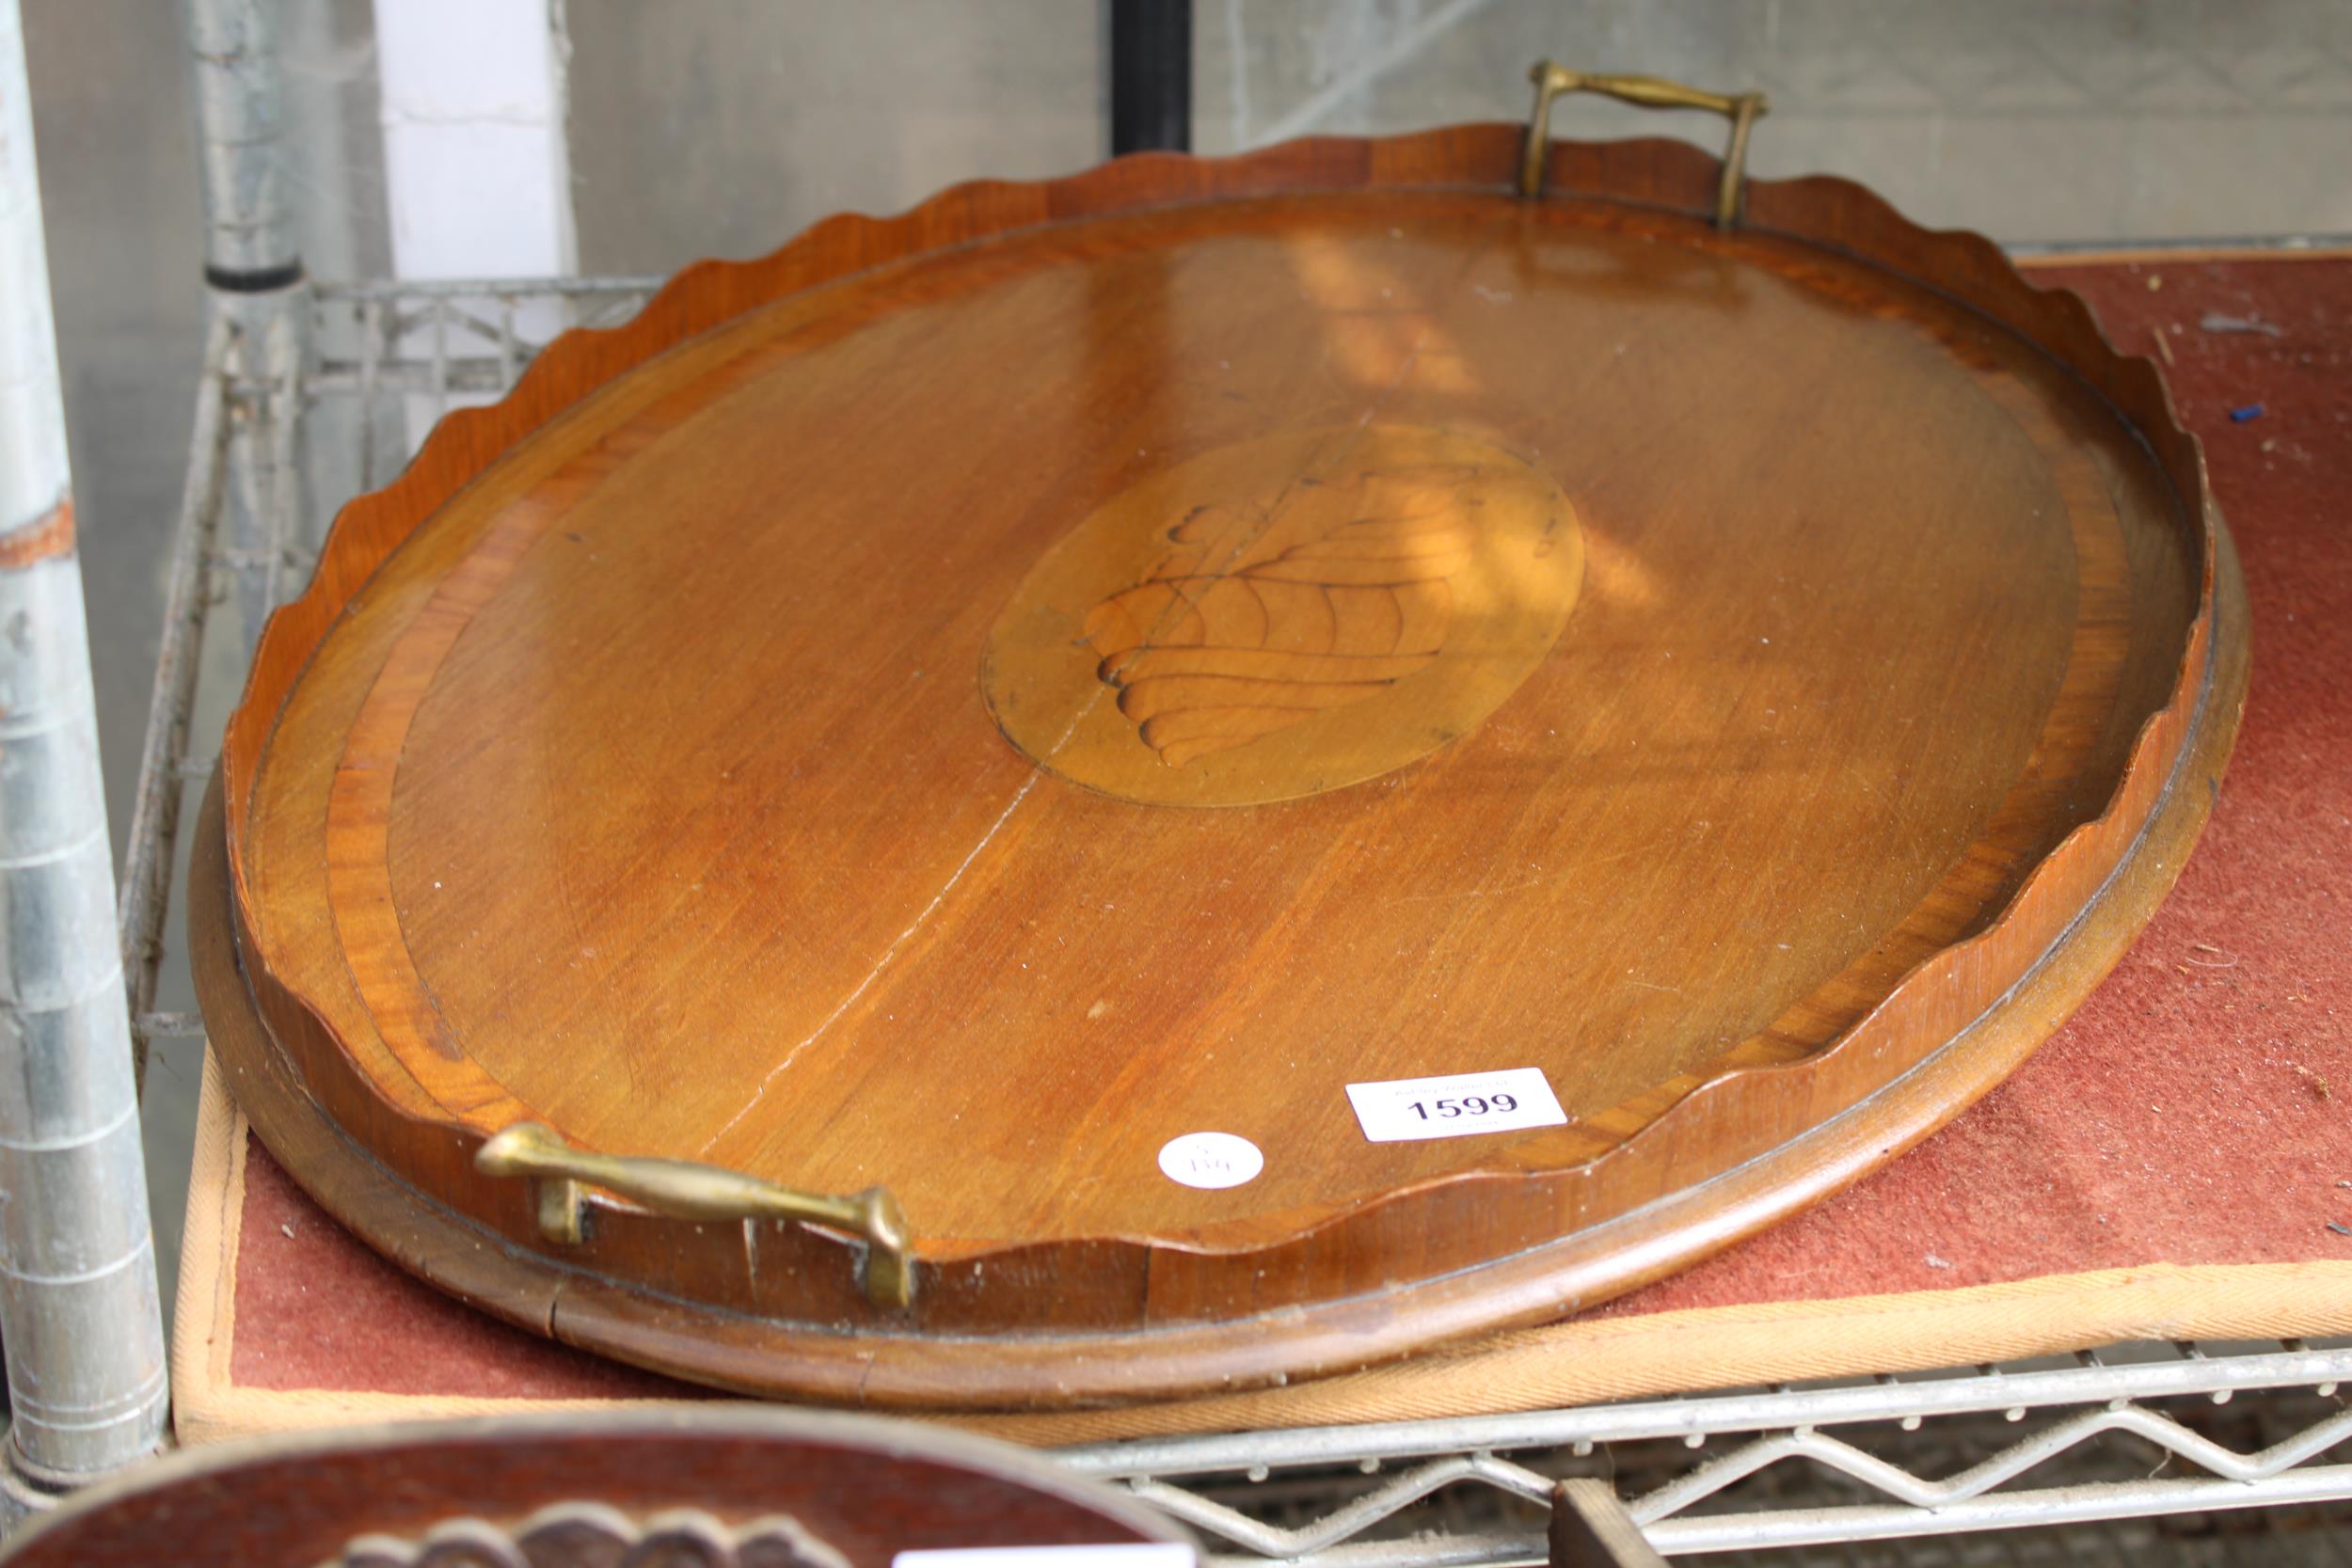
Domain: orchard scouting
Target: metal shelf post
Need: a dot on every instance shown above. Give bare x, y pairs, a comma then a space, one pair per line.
79, 1316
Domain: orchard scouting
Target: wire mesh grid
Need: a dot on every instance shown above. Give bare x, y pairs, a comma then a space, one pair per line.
2142, 1454
403, 355
2131, 1432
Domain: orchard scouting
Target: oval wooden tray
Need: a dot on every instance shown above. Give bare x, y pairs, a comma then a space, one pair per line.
974, 698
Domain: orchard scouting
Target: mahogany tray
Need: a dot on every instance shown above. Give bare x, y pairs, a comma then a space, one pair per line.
762, 853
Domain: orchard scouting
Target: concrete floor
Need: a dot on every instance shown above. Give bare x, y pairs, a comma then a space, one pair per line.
704, 127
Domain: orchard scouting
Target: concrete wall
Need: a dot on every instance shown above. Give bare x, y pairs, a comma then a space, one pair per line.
2028, 121
713, 128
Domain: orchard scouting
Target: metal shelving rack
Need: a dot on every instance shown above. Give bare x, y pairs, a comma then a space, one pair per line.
307, 389
1741, 1472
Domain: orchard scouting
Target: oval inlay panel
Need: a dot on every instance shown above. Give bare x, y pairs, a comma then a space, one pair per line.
1286, 616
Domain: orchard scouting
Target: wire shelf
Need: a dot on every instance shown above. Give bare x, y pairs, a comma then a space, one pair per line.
2097, 1460
2137, 1432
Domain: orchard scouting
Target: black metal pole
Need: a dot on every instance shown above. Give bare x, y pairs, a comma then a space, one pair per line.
1150, 76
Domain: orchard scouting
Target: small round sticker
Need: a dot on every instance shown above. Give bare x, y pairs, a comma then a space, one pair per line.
1211, 1160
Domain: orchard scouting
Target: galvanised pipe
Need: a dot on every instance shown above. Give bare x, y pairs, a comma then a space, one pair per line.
79, 1317
253, 263
250, 245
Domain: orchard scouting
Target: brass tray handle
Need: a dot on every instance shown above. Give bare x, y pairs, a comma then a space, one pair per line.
1743, 109
684, 1190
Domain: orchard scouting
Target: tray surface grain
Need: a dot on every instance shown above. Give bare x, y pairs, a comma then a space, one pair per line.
968, 700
